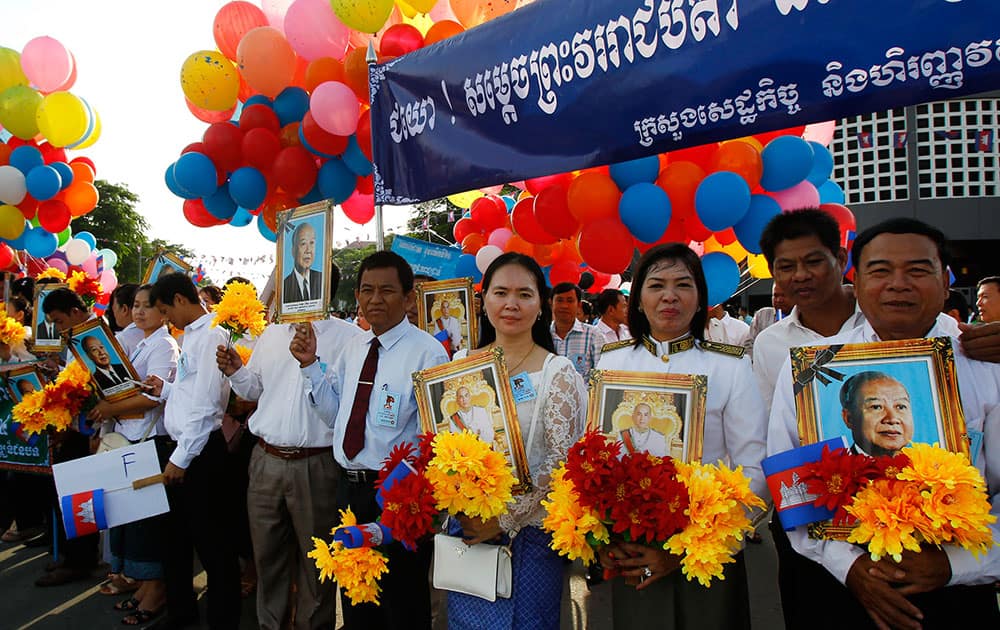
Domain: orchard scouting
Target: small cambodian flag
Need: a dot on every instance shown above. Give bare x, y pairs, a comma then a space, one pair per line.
792, 501
367, 535
865, 139
399, 473
442, 336
83, 513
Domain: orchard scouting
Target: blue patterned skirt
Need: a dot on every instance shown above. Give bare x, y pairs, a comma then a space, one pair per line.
537, 571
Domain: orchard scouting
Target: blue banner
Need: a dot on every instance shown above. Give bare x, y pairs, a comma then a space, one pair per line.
430, 259
557, 86
792, 501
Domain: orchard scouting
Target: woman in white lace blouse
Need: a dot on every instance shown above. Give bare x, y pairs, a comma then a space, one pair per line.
551, 408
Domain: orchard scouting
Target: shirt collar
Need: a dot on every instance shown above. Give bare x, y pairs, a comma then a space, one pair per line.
577, 327
942, 328
664, 349
156, 334
793, 318
389, 338
201, 322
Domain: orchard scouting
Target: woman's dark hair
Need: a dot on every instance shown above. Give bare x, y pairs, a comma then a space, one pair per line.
213, 292
124, 295
145, 287
21, 305
637, 322
25, 287
540, 333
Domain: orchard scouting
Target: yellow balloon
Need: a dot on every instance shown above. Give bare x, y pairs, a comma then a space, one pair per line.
11, 222
757, 265
464, 200
18, 106
95, 133
421, 21
62, 118
364, 16
735, 250
210, 81
406, 8
712, 245
417, 6
11, 73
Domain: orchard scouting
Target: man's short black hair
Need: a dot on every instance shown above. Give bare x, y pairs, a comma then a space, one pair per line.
387, 260
64, 301
799, 224
124, 294
956, 301
901, 225
168, 287
237, 279
609, 298
565, 287
989, 280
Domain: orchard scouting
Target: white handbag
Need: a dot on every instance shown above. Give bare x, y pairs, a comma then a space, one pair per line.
479, 570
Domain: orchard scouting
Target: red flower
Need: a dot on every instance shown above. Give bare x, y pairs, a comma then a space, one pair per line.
890, 466
591, 465
648, 502
399, 452
838, 476
409, 509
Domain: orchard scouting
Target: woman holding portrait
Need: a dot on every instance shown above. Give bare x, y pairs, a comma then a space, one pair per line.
551, 412
666, 314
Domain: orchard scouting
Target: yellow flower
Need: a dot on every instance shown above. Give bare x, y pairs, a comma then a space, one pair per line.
244, 353
887, 511
11, 332
468, 476
51, 272
932, 465
357, 571
569, 522
239, 311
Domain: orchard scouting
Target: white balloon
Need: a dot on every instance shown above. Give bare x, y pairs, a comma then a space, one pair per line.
110, 258
614, 282
486, 255
109, 280
77, 251
12, 185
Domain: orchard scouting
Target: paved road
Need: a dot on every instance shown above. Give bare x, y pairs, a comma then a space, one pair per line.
79, 606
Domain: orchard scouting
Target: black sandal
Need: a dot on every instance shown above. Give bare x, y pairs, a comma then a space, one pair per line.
127, 605
140, 617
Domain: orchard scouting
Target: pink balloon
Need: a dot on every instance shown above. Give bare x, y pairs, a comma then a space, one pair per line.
335, 108
442, 11
274, 11
492, 190
109, 280
820, 132
499, 237
46, 63
697, 247
68, 85
90, 267
58, 263
486, 255
314, 31
614, 282
359, 207
801, 195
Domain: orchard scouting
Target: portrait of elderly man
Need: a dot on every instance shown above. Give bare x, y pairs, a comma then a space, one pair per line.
107, 375
641, 437
469, 417
304, 283
877, 409
448, 329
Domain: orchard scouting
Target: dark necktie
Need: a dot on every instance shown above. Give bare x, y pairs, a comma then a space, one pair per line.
354, 437
114, 377
305, 288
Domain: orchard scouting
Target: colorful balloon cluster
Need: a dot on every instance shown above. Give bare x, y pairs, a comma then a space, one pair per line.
286, 97
41, 189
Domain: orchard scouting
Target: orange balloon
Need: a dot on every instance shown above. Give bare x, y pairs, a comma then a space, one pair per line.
245, 90
524, 194
289, 136
593, 196
299, 78
82, 172
473, 242
741, 158
81, 197
322, 70
680, 180
356, 73
517, 244
273, 204
442, 30
266, 60
543, 254
474, 12
5, 151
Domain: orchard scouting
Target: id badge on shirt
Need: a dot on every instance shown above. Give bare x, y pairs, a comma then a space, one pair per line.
182, 367
580, 362
523, 390
388, 407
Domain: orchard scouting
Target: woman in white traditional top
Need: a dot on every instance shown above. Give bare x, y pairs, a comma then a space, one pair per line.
137, 547
667, 311
550, 412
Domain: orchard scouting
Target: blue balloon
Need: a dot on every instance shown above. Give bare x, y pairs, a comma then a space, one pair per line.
310, 148
722, 200
89, 238
258, 99
787, 161
465, 267
355, 158
645, 211
632, 172
247, 187
237, 112
291, 105
748, 230
822, 166
509, 201
831, 192
65, 173
220, 204
264, 230
174, 187
336, 181
43, 182
39, 242
722, 275
195, 174
242, 218
24, 158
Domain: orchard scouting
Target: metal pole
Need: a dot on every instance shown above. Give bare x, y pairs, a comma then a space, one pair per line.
372, 59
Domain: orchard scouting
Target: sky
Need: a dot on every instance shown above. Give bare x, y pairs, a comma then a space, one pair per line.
129, 55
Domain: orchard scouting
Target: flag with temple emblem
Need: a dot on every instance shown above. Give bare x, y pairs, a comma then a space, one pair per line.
83, 513
442, 336
792, 501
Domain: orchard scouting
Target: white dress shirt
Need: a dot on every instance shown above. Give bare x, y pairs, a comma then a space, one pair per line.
980, 391
735, 420
727, 330
129, 337
157, 355
610, 334
651, 441
477, 420
199, 394
770, 348
284, 417
451, 326
404, 349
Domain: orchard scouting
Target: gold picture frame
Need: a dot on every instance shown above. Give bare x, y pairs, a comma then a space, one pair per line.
41, 340
162, 262
24, 374
291, 305
677, 430
490, 409
118, 379
435, 297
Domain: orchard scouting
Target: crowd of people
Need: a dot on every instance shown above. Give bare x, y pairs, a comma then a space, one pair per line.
317, 433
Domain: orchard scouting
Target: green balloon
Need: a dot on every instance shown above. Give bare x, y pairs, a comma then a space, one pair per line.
18, 106
35, 222
64, 236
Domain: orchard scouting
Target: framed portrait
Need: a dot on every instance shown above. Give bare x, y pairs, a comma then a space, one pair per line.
44, 336
474, 394
95, 347
446, 311
164, 263
20, 450
23, 380
305, 235
650, 412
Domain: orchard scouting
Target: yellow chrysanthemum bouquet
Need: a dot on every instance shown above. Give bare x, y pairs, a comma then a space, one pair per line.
57, 404
239, 311
11, 332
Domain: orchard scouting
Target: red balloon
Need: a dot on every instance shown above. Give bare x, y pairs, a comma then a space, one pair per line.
845, 219
537, 184
321, 140
552, 211
680, 180
365, 185
364, 133
464, 227
223, 144
86, 160
54, 215
197, 147
232, 22
29, 206
52, 154
486, 212
259, 115
295, 171
5, 151
400, 39
36, 266
564, 271
701, 155
260, 146
695, 229
725, 237
6, 256
522, 218
207, 115
606, 246
359, 208
197, 215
